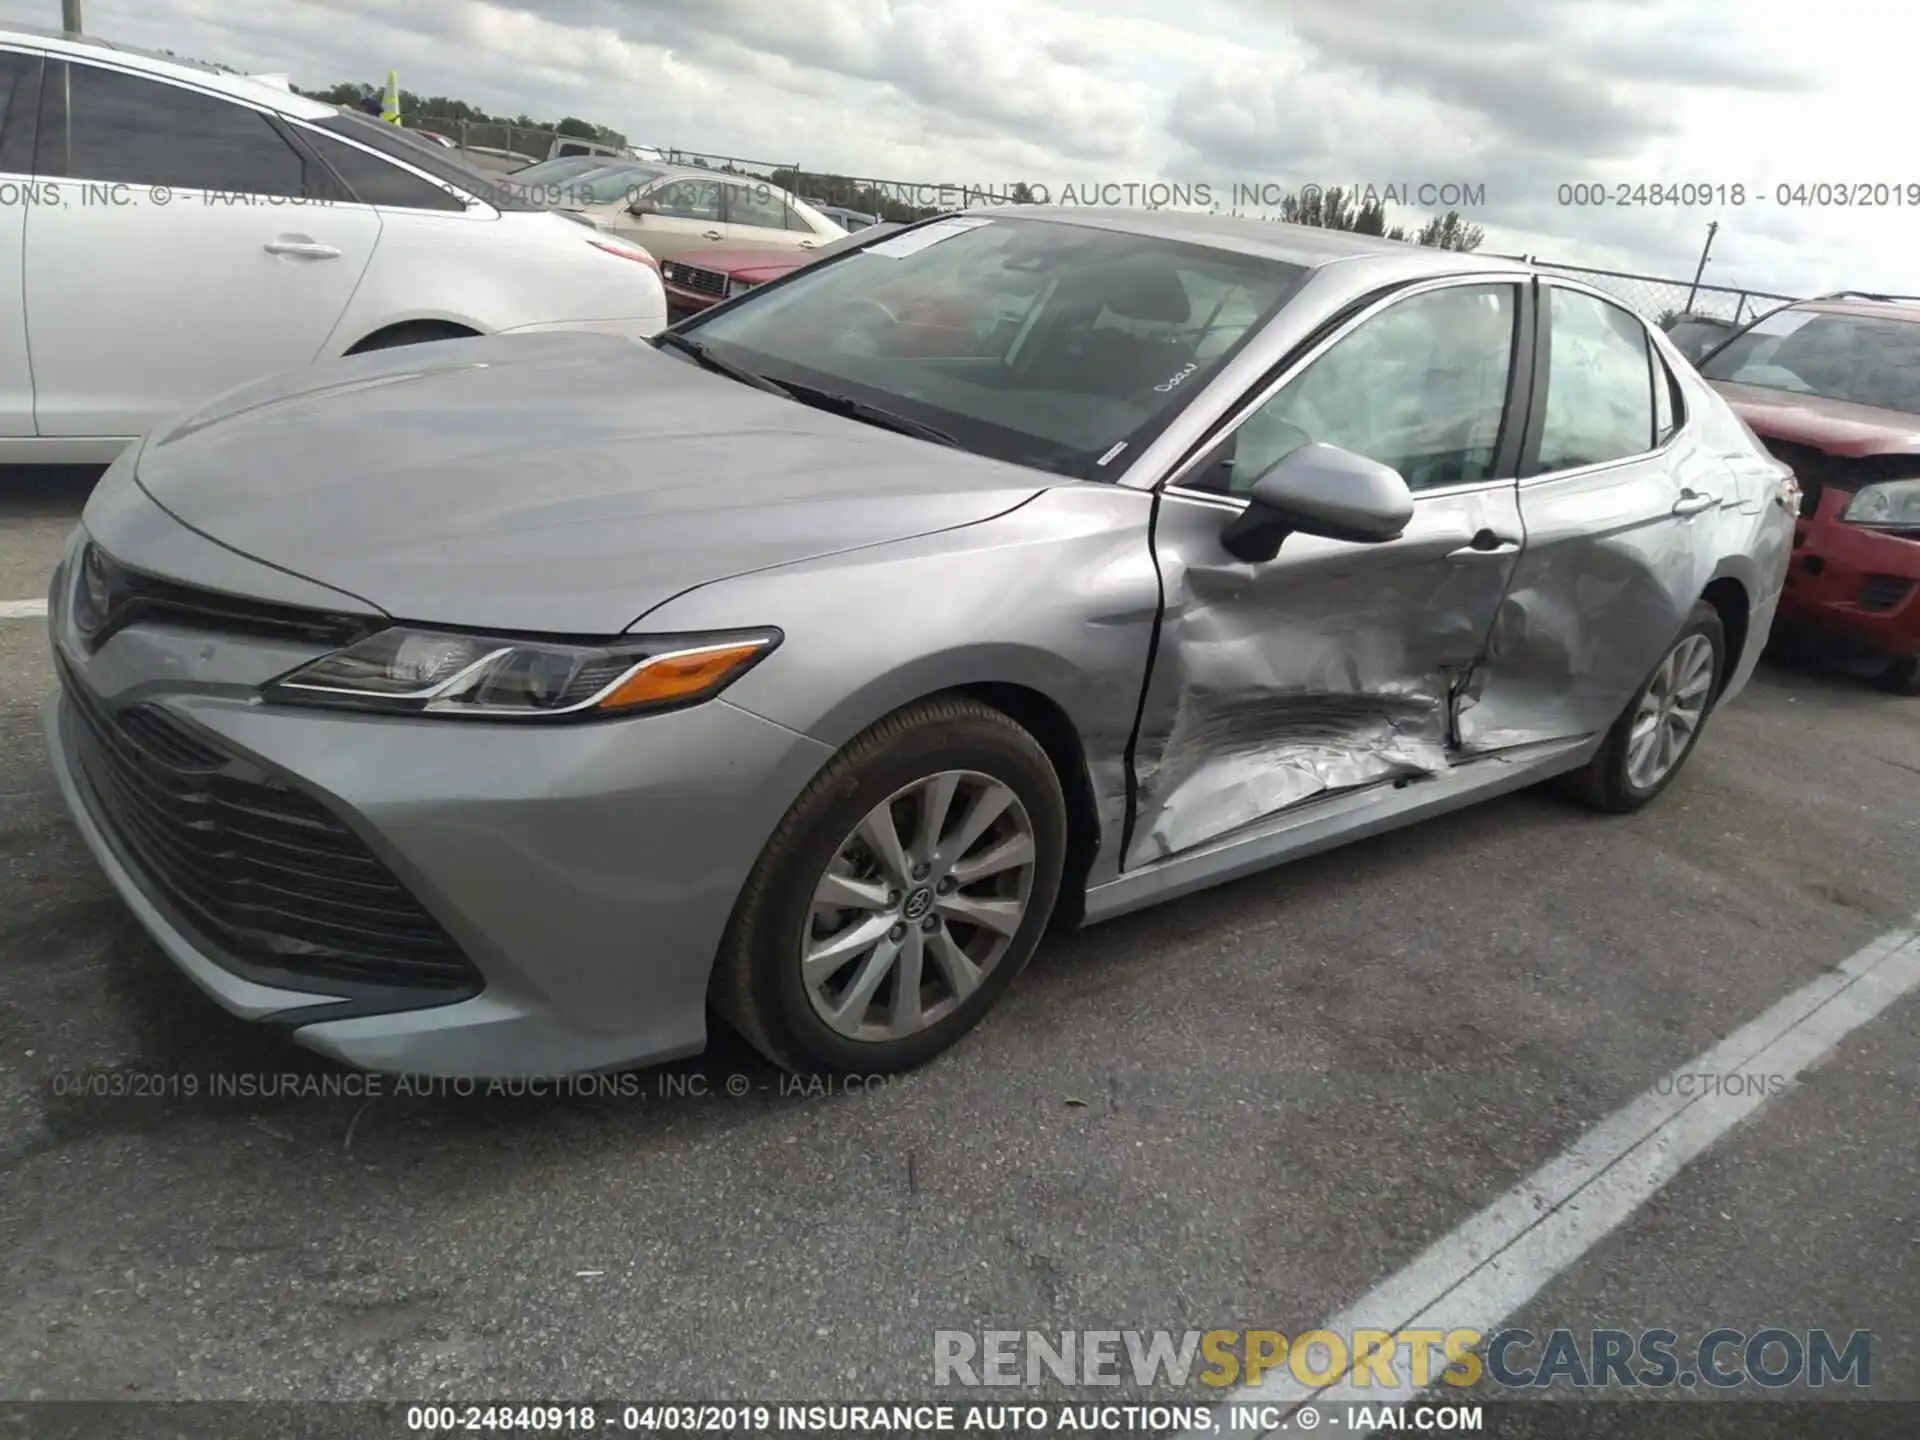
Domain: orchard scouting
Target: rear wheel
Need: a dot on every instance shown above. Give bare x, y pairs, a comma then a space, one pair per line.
1653, 737
900, 896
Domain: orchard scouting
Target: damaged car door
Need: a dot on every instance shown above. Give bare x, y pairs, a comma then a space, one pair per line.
1616, 500
1335, 663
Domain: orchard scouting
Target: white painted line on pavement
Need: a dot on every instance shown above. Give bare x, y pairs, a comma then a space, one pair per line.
22, 609
1501, 1258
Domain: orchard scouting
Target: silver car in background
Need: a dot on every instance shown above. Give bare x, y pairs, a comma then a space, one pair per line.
503, 708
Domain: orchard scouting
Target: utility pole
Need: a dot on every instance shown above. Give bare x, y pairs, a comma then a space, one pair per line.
70, 16
1705, 250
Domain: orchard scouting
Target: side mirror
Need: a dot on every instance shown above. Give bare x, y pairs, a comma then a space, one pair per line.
643, 205
1320, 490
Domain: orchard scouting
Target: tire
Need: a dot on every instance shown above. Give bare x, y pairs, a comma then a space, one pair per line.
760, 986
1902, 677
1608, 781
414, 332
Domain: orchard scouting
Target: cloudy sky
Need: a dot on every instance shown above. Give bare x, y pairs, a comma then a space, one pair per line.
1520, 96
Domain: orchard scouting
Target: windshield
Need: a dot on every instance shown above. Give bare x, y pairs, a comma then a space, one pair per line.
1859, 358
548, 171
1046, 344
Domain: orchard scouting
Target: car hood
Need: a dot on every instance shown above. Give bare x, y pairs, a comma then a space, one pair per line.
564, 483
1839, 427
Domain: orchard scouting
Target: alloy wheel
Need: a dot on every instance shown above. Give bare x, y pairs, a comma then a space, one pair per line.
918, 906
1670, 711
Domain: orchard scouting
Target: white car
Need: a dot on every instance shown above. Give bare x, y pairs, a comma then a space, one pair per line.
169, 231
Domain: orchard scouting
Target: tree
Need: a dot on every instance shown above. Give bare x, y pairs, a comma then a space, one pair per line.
415, 108
1333, 210
1339, 209
1450, 232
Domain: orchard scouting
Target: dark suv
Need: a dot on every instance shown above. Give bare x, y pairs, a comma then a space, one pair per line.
1832, 386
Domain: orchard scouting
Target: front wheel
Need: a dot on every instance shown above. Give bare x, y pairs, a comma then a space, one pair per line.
1656, 733
899, 897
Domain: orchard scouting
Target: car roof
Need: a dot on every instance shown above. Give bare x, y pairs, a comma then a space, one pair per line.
170, 67
1308, 246
1862, 307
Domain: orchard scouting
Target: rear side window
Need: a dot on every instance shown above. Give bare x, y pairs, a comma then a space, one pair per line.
16, 119
1599, 399
379, 182
428, 158
105, 125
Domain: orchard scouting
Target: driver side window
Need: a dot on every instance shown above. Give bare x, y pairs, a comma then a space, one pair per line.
687, 200
1421, 386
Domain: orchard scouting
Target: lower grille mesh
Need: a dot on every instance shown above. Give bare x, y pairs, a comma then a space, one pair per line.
259, 866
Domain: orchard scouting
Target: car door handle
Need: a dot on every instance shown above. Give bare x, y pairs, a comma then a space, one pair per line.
1692, 503
305, 249
1486, 546
712, 235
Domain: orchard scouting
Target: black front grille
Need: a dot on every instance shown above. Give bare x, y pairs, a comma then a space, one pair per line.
693, 277
258, 866
117, 596
1883, 592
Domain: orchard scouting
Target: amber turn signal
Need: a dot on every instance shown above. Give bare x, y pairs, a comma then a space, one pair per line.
680, 675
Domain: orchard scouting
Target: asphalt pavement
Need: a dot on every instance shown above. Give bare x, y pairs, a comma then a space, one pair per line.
1245, 1109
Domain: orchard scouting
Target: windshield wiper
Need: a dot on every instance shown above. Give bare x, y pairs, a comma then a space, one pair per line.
846, 405
874, 415
707, 360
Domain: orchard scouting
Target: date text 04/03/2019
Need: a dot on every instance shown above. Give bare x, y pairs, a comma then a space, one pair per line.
1787, 194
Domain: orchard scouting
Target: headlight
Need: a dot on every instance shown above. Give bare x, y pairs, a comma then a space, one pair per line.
1893, 503
740, 287
428, 672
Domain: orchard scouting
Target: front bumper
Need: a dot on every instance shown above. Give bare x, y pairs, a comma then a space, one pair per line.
1858, 583
587, 871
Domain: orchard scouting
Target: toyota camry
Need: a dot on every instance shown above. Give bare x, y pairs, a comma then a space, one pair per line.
511, 706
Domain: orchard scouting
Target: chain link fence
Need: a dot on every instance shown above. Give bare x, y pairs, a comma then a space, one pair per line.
1660, 299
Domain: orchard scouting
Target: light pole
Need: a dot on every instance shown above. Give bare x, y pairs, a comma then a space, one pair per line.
1705, 250
70, 16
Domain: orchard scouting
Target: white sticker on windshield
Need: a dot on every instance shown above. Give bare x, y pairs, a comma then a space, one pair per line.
1783, 322
914, 241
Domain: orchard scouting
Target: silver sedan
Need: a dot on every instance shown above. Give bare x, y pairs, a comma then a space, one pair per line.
506, 707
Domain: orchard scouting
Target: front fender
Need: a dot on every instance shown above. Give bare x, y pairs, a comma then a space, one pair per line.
1059, 596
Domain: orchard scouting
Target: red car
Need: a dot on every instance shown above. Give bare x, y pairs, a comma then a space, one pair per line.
1832, 386
706, 277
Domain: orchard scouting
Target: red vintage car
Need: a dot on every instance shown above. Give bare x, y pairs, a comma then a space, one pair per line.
1832, 386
